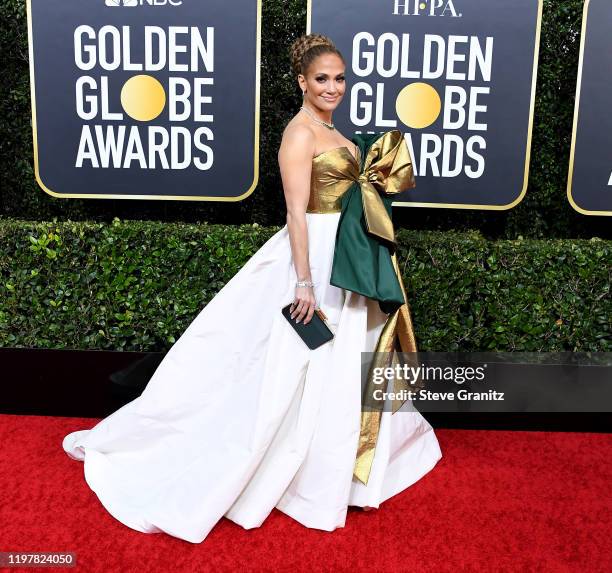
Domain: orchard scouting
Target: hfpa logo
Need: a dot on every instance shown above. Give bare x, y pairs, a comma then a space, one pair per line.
143, 2
427, 7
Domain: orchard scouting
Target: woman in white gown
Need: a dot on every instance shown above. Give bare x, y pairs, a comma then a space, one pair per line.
241, 416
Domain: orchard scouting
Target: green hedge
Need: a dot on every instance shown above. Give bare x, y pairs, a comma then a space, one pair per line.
544, 212
130, 285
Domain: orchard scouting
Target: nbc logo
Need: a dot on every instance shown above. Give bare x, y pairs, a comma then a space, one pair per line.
143, 2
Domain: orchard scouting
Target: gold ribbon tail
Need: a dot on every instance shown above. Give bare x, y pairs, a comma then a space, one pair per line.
406, 340
372, 409
376, 217
398, 328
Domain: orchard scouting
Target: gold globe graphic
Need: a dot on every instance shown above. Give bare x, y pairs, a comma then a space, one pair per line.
418, 105
143, 98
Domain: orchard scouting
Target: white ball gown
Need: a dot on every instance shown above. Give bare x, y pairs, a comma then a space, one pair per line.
241, 416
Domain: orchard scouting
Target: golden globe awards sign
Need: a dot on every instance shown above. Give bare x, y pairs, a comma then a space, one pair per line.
589, 186
145, 99
456, 76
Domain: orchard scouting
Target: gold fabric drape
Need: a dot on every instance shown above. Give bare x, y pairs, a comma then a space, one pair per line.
387, 170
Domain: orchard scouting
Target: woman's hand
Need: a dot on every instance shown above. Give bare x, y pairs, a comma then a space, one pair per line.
304, 304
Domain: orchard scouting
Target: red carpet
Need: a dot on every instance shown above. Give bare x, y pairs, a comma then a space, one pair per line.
497, 501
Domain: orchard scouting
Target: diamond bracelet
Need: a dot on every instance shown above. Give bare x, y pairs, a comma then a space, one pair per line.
304, 283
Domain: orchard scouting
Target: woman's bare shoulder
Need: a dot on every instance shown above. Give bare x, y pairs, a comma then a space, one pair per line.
298, 135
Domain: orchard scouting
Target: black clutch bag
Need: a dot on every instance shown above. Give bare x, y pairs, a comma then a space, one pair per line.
315, 333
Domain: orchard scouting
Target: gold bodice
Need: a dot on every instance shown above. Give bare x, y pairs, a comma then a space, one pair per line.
333, 172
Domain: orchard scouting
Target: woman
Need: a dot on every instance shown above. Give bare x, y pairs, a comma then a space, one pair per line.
241, 416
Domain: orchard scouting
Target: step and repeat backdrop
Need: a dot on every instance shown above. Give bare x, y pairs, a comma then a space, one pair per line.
458, 76
159, 99
146, 99
589, 186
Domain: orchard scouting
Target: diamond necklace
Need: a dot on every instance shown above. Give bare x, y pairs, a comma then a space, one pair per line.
328, 125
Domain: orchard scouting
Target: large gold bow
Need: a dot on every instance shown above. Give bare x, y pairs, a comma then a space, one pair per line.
387, 169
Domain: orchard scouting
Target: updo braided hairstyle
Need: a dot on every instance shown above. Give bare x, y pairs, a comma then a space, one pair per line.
307, 48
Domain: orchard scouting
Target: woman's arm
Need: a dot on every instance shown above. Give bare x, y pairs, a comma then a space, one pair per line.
295, 162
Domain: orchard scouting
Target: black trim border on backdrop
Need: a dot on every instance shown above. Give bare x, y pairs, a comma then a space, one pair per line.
529, 131
250, 190
50, 382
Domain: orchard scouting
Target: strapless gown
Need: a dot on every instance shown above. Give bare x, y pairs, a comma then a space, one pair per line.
241, 416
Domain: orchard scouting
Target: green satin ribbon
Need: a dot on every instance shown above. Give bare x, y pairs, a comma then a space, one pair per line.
365, 262
365, 239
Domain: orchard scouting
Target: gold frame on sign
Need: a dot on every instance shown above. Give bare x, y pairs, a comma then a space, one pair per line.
534, 76
570, 173
250, 190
